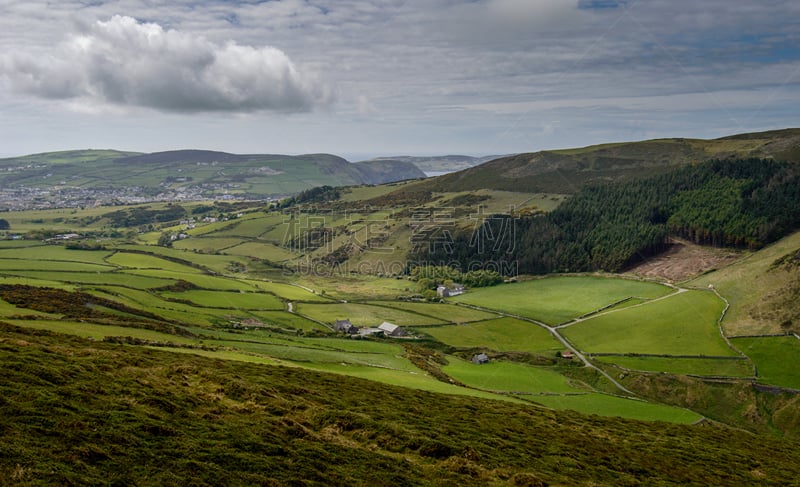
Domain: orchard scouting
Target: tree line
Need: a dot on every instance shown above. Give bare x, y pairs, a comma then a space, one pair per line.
744, 203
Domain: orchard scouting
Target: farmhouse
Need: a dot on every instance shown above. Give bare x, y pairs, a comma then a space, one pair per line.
446, 292
345, 326
480, 359
392, 330
567, 354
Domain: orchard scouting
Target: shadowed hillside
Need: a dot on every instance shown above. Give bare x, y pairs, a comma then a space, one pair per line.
565, 171
78, 412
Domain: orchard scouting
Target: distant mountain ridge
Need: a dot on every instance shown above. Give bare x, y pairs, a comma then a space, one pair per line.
86, 177
565, 171
442, 164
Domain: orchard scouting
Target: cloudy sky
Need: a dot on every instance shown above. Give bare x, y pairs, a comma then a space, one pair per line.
361, 78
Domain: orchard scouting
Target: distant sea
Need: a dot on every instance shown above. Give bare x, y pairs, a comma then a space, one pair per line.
431, 174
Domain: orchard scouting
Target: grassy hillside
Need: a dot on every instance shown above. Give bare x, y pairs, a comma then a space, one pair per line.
79, 412
187, 174
762, 289
565, 171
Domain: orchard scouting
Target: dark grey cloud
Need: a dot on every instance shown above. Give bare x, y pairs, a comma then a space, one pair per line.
124, 62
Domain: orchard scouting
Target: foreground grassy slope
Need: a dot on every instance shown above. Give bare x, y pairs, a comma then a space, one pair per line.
78, 412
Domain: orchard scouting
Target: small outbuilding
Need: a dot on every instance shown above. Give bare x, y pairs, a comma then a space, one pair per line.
345, 326
446, 292
480, 359
392, 330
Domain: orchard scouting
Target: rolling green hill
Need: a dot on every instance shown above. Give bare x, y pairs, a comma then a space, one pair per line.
565, 171
113, 176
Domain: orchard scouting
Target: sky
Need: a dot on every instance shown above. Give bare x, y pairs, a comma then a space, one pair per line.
372, 78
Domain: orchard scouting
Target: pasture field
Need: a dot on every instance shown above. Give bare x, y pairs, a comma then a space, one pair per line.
27, 281
249, 226
262, 250
683, 366
354, 287
217, 263
607, 405
509, 377
681, 324
206, 244
16, 244
363, 314
775, 358
447, 312
555, 300
228, 299
231, 355
142, 261
304, 352
415, 380
51, 265
98, 332
502, 334
55, 253
204, 281
8, 309
172, 311
287, 291
98, 278
287, 320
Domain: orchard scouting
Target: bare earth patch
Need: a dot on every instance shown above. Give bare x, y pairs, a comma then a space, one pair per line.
683, 261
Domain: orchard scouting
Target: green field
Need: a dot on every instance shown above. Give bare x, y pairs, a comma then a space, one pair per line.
100, 278
510, 377
558, 299
228, 299
142, 261
51, 265
217, 263
98, 332
8, 309
262, 250
693, 366
446, 312
775, 357
54, 253
606, 405
502, 334
363, 314
287, 291
288, 320
682, 324
207, 244
204, 281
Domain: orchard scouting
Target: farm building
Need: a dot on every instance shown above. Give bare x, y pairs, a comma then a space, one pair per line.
446, 292
365, 332
390, 329
480, 359
345, 326
567, 354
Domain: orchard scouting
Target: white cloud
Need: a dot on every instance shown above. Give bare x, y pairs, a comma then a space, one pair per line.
123, 62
